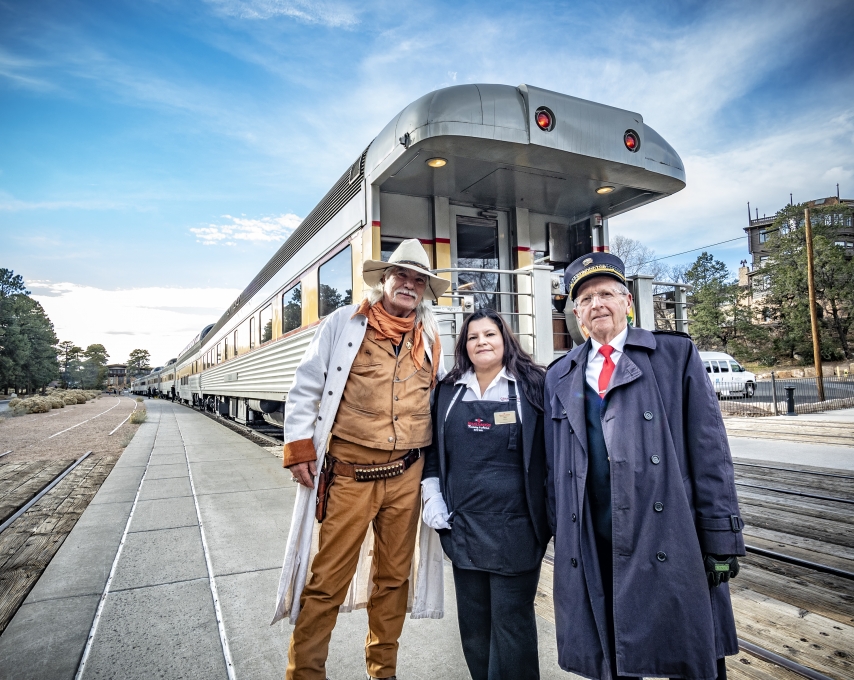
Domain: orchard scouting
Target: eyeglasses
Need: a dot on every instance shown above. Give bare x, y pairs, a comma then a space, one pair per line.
605, 296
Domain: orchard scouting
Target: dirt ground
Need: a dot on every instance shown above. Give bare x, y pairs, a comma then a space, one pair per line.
29, 437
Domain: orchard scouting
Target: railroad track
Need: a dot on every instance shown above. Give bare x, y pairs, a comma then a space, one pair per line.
250, 433
794, 598
40, 502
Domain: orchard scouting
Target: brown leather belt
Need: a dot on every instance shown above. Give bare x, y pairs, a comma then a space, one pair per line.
370, 473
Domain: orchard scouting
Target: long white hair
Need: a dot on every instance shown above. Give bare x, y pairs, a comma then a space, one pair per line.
423, 312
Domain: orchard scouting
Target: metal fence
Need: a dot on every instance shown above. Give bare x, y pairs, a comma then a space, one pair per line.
771, 397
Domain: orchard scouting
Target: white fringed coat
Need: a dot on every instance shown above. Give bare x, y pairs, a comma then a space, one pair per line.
318, 386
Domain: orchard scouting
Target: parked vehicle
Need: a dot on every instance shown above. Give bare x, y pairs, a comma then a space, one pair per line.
727, 375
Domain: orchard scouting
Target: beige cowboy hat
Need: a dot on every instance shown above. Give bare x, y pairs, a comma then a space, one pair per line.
409, 255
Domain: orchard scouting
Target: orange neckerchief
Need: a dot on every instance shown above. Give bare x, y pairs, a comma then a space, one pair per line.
388, 327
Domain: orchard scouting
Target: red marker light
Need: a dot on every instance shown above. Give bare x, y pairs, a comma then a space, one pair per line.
545, 119
631, 140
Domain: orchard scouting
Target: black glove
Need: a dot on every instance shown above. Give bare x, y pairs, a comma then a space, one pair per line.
720, 568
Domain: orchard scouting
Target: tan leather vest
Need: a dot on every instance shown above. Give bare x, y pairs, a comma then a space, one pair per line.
386, 401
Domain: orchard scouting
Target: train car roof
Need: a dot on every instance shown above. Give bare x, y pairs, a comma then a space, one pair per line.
556, 171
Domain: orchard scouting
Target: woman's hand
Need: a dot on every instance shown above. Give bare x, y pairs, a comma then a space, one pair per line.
435, 514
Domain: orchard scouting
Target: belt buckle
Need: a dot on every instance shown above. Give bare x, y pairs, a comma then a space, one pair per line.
370, 473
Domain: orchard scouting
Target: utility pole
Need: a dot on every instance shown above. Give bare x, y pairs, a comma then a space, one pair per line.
816, 346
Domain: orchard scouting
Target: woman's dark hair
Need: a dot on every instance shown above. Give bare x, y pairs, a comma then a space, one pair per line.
517, 361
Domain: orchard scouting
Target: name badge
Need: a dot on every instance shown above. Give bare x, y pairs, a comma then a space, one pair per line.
505, 417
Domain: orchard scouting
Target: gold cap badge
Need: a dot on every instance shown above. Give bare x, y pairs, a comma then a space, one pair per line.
587, 261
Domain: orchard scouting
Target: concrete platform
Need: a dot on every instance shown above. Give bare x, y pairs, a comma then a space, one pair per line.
192, 509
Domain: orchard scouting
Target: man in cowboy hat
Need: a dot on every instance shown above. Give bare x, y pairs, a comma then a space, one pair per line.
362, 392
641, 495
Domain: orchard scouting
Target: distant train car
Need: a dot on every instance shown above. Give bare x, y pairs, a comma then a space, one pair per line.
500, 184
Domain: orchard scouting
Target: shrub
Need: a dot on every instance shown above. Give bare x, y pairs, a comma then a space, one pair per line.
14, 402
69, 399
138, 416
55, 402
81, 398
35, 405
139, 399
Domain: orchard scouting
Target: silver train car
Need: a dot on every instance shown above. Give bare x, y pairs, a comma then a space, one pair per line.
502, 185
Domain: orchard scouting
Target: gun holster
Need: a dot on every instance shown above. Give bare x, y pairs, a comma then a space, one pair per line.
324, 483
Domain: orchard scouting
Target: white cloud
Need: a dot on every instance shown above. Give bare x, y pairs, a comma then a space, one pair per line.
161, 320
246, 229
333, 14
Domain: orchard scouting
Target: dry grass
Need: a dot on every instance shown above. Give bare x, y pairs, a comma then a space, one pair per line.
29, 436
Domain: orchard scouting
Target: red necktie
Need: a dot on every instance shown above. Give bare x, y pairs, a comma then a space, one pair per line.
607, 369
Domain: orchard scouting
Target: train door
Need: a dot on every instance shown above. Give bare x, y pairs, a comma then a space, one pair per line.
480, 239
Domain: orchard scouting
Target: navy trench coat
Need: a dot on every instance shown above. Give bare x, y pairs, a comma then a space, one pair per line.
667, 445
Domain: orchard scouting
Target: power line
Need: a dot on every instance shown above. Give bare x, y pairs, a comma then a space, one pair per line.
685, 252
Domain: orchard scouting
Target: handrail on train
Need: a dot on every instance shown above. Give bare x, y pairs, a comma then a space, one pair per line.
531, 306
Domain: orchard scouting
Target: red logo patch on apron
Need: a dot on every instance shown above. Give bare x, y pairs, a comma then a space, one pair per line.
479, 425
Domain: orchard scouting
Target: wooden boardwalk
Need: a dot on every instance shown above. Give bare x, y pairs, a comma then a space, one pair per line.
799, 613
31, 541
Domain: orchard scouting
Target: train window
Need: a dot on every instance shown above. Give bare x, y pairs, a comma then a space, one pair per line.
236, 343
388, 244
251, 323
336, 282
219, 352
265, 324
225, 349
292, 309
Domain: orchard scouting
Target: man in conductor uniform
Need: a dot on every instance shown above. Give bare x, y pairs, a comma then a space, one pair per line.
641, 495
362, 391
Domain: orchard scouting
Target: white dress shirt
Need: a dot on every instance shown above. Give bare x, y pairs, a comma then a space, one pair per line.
596, 361
498, 389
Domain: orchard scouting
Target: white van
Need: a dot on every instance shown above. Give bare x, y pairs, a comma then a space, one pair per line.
727, 375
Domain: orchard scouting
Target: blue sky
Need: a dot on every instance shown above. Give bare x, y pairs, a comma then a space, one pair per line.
153, 155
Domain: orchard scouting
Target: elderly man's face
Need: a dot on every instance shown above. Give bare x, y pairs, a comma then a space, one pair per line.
403, 290
602, 308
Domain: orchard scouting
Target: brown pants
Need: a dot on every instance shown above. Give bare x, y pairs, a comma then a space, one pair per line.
393, 507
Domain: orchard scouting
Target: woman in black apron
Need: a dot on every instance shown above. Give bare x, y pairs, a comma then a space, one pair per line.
484, 491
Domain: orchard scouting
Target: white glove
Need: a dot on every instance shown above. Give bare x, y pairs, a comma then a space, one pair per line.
435, 513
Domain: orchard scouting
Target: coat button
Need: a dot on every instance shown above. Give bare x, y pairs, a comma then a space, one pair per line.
658, 506
573, 516
661, 556
570, 430
396, 398
349, 344
563, 413
395, 417
363, 323
319, 418
647, 415
330, 392
569, 473
575, 561
339, 368
655, 460
391, 439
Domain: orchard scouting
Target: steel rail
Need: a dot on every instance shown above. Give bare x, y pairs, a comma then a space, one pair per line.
797, 561
5, 454
797, 493
242, 430
805, 472
778, 660
35, 499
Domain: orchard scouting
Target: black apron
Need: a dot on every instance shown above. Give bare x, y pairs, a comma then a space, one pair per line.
491, 528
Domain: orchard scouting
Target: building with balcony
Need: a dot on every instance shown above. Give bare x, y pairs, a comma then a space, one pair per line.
117, 377
752, 274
